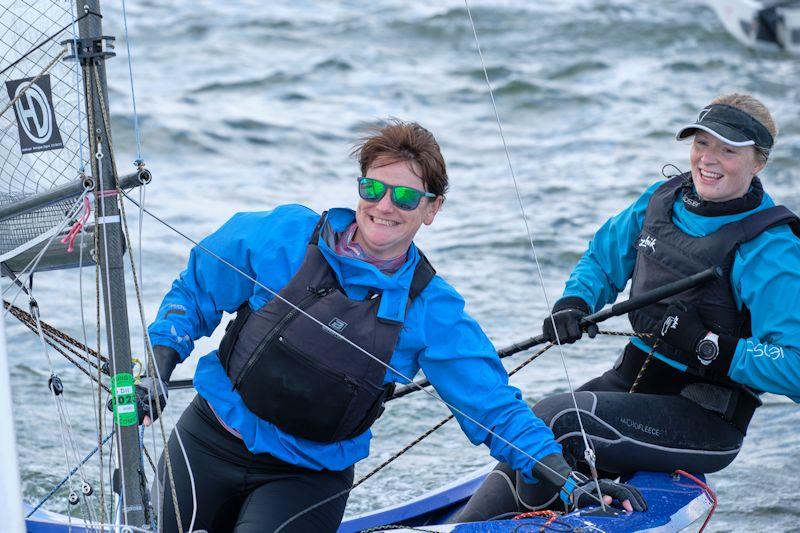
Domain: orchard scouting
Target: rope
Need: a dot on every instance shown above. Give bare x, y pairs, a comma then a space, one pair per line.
34, 80
710, 493
61, 337
589, 454
96, 149
644, 367
133, 92
45, 41
152, 369
71, 472
65, 425
336, 334
439, 424
394, 526
78, 94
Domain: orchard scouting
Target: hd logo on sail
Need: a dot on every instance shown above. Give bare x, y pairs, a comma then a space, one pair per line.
36, 117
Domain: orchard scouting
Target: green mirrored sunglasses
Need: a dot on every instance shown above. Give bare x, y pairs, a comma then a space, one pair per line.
405, 198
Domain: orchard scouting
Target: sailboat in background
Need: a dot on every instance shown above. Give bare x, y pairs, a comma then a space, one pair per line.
764, 24
58, 168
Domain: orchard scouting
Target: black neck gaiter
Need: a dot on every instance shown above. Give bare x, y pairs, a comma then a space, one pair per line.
751, 199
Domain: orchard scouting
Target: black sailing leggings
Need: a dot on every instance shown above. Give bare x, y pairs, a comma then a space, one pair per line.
241, 491
629, 432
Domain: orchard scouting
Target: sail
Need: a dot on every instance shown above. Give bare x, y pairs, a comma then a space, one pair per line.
42, 144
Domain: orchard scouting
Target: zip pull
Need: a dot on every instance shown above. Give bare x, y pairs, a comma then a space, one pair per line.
322, 291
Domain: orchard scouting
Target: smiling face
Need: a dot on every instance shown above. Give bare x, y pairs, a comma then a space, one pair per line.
721, 172
384, 230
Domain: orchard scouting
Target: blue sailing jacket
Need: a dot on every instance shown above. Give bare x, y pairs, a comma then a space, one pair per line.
765, 278
438, 336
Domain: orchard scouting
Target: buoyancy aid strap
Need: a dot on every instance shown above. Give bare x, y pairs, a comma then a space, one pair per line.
757, 223
315, 234
423, 274
232, 333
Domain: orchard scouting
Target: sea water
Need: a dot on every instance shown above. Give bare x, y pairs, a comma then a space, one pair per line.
248, 105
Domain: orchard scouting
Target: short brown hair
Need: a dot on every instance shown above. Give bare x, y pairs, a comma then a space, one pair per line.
756, 109
396, 140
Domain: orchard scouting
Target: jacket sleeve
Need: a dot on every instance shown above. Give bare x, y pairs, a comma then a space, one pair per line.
194, 305
766, 277
463, 366
606, 266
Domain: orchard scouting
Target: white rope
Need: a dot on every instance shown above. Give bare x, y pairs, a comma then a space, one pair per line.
28, 270
589, 451
133, 92
143, 320
65, 426
344, 339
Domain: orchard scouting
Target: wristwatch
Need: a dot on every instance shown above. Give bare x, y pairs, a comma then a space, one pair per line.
708, 348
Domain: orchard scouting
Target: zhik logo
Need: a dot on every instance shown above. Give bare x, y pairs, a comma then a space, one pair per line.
648, 242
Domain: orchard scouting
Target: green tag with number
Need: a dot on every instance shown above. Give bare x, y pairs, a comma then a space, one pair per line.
124, 399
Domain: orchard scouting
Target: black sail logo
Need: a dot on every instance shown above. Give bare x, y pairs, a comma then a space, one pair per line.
36, 118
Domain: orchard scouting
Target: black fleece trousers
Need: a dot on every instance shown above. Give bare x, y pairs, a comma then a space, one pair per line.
239, 491
629, 432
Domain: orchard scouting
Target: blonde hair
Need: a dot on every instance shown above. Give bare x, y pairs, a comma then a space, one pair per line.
756, 109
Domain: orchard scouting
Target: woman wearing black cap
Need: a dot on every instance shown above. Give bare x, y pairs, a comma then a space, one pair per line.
682, 393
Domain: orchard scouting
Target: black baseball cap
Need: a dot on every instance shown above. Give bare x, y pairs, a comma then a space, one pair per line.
730, 125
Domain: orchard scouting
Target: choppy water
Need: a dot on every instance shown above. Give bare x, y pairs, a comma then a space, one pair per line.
245, 106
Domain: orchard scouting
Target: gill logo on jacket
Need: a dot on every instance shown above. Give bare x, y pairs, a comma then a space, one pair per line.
770, 351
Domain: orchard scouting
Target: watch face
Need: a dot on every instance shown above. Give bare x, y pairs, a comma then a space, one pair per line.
707, 350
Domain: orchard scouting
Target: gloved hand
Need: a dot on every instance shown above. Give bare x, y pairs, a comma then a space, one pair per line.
567, 314
578, 491
166, 359
682, 328
157, 389
149, 391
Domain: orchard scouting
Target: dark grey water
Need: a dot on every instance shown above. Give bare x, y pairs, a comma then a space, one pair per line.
245, 106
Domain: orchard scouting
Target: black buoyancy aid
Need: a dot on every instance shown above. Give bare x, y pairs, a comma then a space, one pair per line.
665, 254
294, 373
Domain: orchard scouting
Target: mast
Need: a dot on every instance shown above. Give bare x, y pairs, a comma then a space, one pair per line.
92, 51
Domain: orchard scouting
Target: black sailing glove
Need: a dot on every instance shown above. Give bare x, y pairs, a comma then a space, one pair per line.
567, 314
148, 392
682, 328
151, 389
579, 491
575, 490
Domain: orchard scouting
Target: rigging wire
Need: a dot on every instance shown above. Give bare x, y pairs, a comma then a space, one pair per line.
125, 231
96, 146
588, 450
66, 479
45, 41
33, 263
96, 395
133, 92
78, 84
337, 335
65, 424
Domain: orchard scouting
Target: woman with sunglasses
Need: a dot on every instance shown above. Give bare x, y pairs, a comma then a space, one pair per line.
332, 310
683, 392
